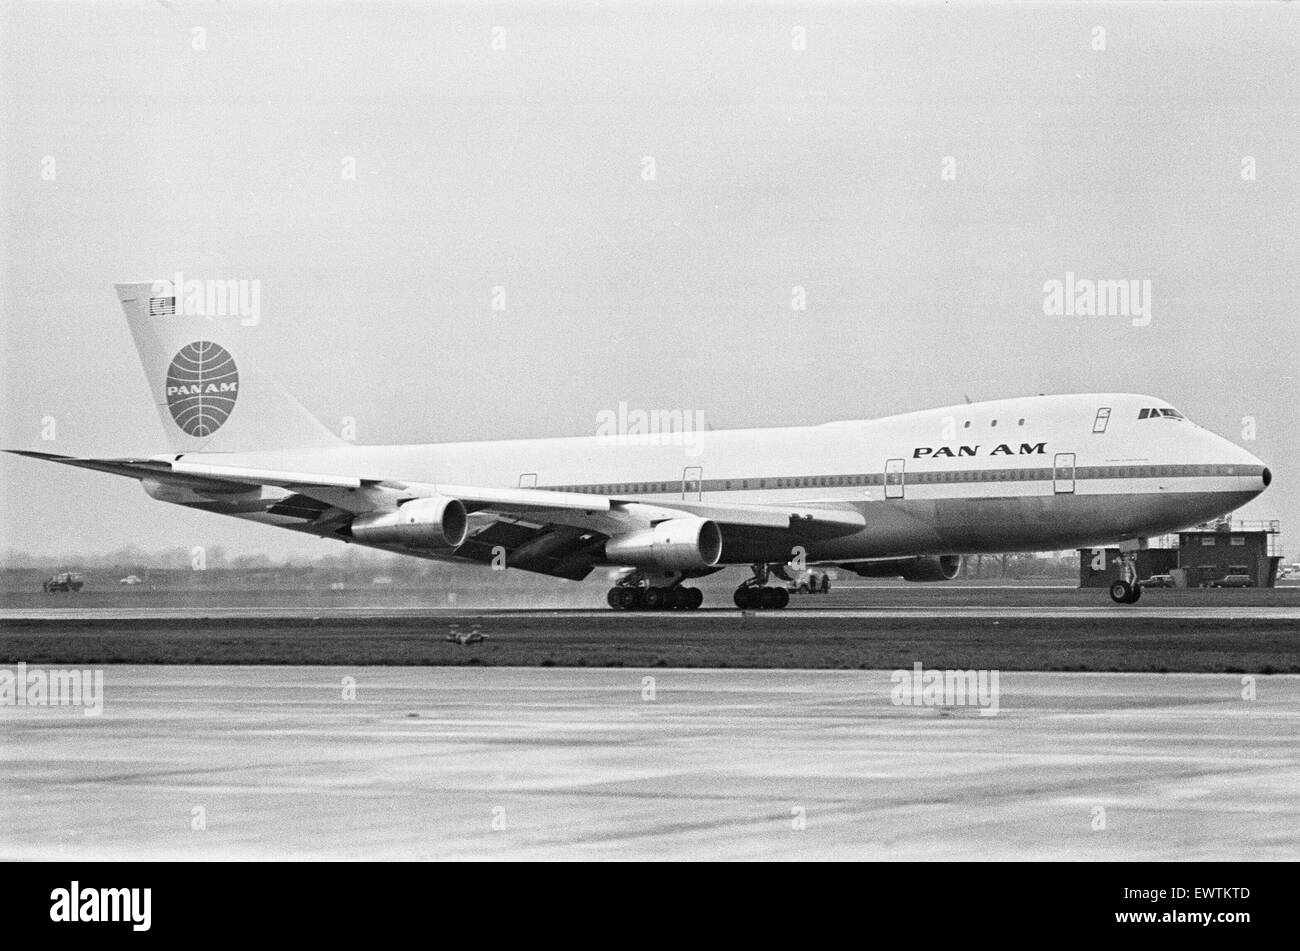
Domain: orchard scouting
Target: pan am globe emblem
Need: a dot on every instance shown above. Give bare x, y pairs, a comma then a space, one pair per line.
202, 385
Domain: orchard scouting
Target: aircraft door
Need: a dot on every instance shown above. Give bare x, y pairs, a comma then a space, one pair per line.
693, 483
894, 479
1063, 473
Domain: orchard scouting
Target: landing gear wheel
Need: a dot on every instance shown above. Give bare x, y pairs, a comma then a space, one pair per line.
680, 598
629, 599
746, 598
1127, 589
694, 598
773, 599
655, 598
614, 598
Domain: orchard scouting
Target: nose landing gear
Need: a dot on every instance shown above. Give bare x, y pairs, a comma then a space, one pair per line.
1126, 589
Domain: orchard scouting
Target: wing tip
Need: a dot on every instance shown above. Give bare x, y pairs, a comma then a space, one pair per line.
33, 454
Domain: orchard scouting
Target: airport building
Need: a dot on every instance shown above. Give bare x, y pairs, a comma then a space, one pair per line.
1198, 558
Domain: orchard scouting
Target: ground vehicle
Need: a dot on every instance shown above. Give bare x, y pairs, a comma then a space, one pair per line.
1159, 581
807, 581
64, 581
1233, 581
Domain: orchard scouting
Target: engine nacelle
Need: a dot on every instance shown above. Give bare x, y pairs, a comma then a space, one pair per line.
674, 543
916, 568
437, 522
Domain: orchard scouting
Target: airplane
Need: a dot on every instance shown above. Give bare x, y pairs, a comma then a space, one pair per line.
901, 496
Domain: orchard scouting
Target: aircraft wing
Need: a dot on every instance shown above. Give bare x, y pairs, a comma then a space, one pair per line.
555, 533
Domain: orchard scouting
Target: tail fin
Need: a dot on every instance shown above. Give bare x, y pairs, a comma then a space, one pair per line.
209, 395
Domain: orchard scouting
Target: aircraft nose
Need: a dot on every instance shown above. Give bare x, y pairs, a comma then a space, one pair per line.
1251, 473
1260, 474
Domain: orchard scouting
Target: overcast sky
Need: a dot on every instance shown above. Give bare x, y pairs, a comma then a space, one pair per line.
524, 167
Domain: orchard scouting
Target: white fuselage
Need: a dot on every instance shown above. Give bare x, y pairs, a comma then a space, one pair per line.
1033, 473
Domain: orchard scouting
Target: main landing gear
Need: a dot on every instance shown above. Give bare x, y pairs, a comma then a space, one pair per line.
1126, 590
636, 593
755, 595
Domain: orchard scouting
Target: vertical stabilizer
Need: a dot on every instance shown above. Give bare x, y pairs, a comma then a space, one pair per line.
209, 394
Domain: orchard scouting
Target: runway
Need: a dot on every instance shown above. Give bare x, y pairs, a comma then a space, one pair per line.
456, 763
604, 615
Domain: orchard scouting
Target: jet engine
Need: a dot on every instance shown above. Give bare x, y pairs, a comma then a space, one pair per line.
677, 543
437, 522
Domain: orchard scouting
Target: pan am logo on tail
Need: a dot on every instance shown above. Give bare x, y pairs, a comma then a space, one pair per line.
202, 385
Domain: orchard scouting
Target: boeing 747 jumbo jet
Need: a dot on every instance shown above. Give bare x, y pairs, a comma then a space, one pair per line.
904, 496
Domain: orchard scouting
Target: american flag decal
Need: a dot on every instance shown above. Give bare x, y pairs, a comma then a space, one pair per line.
162, 306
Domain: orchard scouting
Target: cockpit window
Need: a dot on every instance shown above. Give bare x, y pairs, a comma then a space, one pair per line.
1160, 412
